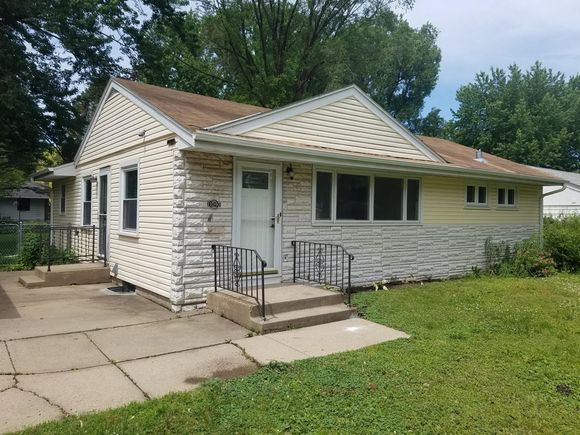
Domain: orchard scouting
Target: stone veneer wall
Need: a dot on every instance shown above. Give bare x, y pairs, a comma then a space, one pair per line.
391, 252
198, 178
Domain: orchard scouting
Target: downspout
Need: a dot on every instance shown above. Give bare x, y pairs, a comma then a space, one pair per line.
542, 196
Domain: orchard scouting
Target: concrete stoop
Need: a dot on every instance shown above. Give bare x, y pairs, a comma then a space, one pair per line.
66, 274
287, 307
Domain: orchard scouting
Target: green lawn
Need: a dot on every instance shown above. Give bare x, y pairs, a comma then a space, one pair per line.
487, 355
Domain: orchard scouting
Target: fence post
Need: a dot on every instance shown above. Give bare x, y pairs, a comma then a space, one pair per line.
294, 265
213, 248
48, 249
263, 291
93, 247
350, 257
20, 237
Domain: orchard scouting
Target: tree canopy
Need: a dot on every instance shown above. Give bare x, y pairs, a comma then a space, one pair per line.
530, 117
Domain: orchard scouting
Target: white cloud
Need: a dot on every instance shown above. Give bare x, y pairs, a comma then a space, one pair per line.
475, 35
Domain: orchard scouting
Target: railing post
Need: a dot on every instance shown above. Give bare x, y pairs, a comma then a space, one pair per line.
350, 258
93, 247
213, 248
263, 292
48, 249
294, 265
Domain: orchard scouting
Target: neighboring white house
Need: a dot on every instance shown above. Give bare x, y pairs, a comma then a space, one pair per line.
29, 203
166, 174
565, 202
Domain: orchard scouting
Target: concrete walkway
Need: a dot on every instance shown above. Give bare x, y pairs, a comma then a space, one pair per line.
77, 349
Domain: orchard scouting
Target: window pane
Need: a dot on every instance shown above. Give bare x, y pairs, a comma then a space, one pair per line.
470, 194
352, 197
511, 196
482, 195
131, 184
88, 190
130, 214
62, 198
255, 180
23, 204
86, 213
501, 196
412, 200
103, 191
388, 199
323, 195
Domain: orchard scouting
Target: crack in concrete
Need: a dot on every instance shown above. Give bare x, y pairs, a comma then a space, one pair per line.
16, 382
99, 329
246, 354
114, 363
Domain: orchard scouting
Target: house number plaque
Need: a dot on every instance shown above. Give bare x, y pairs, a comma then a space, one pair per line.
214, 203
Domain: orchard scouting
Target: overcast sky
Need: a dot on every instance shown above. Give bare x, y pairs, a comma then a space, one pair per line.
477, 34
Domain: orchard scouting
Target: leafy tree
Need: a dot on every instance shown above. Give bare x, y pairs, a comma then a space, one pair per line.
530, 117
394, 63
276, 52
432, 124
51, 51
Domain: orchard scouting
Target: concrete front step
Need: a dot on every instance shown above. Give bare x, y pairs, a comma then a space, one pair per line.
287, 307
66, 274
301, 318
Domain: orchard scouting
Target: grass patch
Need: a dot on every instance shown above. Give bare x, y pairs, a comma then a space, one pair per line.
486, 355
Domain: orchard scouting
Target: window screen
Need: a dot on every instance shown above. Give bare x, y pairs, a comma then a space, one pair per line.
323, 195
352, 197
388, 199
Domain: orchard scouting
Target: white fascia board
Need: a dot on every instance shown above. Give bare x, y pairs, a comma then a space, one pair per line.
252, 122
113, 86
257, 149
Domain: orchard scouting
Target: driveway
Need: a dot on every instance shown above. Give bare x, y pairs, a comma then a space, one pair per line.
76, 349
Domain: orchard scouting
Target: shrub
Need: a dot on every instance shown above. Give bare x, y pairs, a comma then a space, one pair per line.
526, 258
34, 252
562, 241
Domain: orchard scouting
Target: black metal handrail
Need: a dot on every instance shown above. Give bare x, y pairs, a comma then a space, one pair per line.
323, 263
69, 244
240, 270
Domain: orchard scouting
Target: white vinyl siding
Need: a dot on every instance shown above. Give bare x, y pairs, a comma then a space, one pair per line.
143, 258
345, 125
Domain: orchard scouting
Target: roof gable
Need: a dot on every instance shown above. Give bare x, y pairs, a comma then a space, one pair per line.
346, 119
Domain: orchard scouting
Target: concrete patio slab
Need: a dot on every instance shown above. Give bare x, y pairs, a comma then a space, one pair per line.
318, 340
5, 364
57, 310
186, 370
83, 390
54, 353
6, 381
19, 409
140, 341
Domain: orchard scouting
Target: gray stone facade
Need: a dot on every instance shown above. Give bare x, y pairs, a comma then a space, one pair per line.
391, 252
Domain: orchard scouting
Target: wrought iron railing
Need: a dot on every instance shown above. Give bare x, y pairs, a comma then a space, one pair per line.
240, 270
28, 245
323, 263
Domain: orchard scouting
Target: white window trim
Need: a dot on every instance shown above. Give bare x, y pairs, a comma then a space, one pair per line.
370, 221
83, 200
61, 197
128, 166
507, 206
476, 204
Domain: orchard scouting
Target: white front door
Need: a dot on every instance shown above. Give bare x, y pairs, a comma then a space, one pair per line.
258, 218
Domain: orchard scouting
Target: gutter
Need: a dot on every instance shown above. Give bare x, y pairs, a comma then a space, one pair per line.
542, 196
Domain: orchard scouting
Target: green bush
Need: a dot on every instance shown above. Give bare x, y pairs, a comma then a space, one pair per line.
34, 252
525, 258
562, 241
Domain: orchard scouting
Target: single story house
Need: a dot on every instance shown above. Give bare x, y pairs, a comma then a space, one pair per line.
560, 203
29, 203
167, 174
